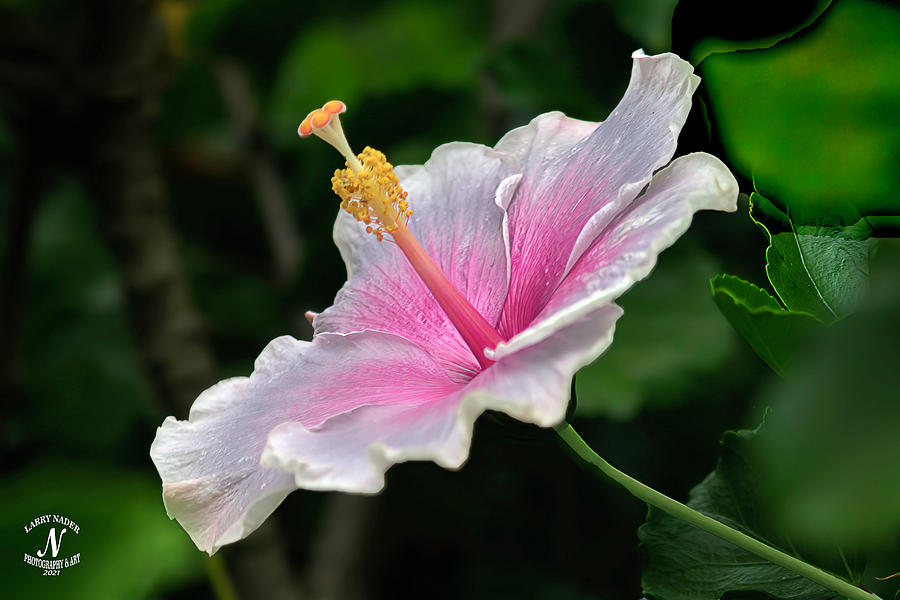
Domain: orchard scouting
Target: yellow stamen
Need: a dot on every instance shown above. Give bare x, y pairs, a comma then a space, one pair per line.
368, 188
370, 191
373, 194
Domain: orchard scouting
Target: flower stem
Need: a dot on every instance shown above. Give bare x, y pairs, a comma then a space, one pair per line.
708, 524
222, 586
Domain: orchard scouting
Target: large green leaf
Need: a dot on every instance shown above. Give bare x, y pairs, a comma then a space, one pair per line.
685, 563
813, 118
774, 333
820, 268
669, 335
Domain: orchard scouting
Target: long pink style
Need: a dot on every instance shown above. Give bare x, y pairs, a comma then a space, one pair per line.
477, 333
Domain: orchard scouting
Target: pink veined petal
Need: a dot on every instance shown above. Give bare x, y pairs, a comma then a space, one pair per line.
626, 251
598, 176
546, 138
458, 221
351, 452
213, 483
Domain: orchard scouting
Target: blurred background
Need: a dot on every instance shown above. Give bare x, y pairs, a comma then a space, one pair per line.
160, 222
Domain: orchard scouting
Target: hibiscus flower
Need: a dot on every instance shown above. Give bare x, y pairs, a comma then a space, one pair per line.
489, 295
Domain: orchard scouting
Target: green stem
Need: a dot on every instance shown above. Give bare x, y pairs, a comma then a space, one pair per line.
223, 588
708, 524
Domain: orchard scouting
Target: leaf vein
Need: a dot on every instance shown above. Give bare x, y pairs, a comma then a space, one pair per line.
806, 269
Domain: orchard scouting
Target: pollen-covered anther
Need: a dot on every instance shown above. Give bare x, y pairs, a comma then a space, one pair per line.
373, 194
321, 117
325, 123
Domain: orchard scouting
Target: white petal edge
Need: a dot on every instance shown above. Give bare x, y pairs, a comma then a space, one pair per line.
628, 191
547, 135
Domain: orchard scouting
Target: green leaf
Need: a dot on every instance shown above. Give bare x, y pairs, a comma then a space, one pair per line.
832, 459
669, 336
685, 563
811, 118
818, 268
774, 333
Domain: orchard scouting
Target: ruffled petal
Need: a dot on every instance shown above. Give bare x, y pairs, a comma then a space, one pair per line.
458, 220
596, 178
626, 250
352, 451
213, 483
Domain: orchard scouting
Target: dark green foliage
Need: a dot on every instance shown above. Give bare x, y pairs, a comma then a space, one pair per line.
818, 268
707, 26
668, 340
831, 462
819, 271
810, 119
773, 332
685, 563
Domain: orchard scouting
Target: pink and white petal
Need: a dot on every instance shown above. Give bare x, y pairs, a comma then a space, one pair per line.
458, 220
533, 384
213, 483
595, 180
458, 215
545, 138
352, 451
625, 251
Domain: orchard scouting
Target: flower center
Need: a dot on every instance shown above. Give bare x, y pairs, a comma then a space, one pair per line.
370, 191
